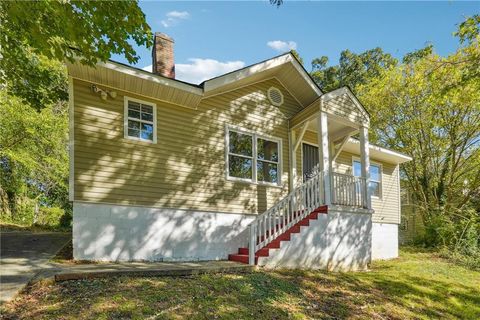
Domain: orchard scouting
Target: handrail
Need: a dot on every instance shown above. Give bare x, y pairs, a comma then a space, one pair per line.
298, 204
348, 190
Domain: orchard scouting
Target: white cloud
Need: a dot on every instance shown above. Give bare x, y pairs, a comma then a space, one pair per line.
282, 46
199, 70
173, 17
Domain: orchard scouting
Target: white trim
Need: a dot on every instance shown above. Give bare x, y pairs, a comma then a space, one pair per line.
71, 141
403, 158
399, 194
215, 83
248, 214
126, 99
372, 163
300, 137
254, 156
344, 90
151, 77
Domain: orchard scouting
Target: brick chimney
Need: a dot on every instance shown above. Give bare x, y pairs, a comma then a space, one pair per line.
162, 56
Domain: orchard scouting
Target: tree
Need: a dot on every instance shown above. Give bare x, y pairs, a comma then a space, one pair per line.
33, 156
33, 32
353, 69
429, 110
297, 55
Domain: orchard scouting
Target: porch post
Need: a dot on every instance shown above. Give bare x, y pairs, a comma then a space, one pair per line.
293, 160
365, 164
323, 152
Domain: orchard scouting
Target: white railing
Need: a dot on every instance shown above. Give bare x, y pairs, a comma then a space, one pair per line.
348, 190
286, 213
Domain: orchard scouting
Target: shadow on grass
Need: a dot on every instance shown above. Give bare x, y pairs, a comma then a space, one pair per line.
392, 290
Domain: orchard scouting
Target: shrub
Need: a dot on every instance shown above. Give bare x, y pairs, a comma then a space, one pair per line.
50, 217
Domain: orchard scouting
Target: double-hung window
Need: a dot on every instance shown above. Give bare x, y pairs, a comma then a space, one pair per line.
375, 184
253, 158
140, 120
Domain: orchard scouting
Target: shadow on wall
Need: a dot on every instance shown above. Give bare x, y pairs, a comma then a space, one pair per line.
336, 241
185, 169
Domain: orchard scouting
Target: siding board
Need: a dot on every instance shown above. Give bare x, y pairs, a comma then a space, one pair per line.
186, 167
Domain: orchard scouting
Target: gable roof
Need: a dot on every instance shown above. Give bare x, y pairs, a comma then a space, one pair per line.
285, 68
346, 91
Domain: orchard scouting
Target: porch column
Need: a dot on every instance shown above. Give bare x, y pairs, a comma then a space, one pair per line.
293, 160
365, 164
323, 153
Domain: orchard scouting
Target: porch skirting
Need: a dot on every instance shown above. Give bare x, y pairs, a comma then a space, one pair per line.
338, 241
384, 241
106, 232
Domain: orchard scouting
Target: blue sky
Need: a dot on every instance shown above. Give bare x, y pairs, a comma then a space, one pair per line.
216, 37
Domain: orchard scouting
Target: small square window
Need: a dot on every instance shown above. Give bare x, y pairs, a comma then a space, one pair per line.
140, 120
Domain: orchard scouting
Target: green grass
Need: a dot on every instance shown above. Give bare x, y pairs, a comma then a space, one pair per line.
418, 285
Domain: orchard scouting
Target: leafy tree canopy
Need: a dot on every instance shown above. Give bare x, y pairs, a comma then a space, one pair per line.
353, 69
34, 34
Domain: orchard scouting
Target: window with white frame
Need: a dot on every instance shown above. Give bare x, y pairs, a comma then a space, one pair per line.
251, 157
140, 120
375, 184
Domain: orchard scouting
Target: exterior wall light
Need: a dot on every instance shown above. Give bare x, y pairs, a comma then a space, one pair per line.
104, 93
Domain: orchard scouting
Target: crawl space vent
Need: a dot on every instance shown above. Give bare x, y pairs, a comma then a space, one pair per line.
275, 96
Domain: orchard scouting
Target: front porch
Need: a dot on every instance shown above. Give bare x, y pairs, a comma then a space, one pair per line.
333, 208
334, 118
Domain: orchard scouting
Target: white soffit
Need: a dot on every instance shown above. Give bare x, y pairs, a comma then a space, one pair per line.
274, 67
136, 81
377, 153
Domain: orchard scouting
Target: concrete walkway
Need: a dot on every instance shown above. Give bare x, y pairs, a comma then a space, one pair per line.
103, 270
25, 256
22, 255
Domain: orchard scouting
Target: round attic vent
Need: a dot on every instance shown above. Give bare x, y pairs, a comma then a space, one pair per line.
275, 96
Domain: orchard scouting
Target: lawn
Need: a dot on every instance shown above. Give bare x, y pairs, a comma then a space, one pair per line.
418, 285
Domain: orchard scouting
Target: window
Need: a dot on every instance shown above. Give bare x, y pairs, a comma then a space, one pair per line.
240, 155
253, 158
140, 120
267, 161
375, 184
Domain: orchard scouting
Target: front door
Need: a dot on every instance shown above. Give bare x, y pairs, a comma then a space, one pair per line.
310, 161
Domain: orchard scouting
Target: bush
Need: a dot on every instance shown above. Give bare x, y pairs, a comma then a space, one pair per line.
457, 235
50, 217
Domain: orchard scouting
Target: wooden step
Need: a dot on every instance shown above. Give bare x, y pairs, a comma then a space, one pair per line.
242, 255
264, 252
243, 258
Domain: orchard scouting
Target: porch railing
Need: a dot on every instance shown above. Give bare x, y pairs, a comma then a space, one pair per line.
348, 190
286, 213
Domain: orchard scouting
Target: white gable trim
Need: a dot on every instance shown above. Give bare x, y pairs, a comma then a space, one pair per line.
234, 76
345, 90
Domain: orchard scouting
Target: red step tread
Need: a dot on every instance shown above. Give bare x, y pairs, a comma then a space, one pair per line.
242, 255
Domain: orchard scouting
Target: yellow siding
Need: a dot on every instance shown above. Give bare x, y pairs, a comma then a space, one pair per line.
344, 107
387, 209
186, 168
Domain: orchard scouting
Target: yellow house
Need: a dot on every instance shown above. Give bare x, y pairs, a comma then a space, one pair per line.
257, 165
